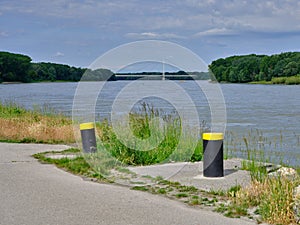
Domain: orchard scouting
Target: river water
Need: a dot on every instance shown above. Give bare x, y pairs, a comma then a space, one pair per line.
261, 117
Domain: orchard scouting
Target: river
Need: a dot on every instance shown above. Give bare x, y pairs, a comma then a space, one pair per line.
266, 116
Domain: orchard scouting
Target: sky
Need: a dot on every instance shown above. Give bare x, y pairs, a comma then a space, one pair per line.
76, 32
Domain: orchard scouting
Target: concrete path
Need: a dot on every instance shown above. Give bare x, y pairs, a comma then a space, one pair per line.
191, 174
33, 193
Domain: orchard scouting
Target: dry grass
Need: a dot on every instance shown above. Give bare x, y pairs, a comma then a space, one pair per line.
19, 125
251, 195
273, 197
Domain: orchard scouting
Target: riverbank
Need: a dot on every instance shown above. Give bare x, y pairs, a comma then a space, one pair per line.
293, 80
20, 125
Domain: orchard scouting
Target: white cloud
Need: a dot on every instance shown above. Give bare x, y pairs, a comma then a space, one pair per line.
152, 35
3, 34
215, 32
162, 16
59, 54
255, 15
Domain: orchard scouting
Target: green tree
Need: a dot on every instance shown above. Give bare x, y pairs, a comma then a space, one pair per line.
290, 69
247, 68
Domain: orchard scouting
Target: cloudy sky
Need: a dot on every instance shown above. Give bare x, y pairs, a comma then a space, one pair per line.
76, 32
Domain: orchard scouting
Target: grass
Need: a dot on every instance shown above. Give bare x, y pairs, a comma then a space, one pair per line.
36, 126
271, 197
78, 165
286, 80
260, 82
45, 126
164, 136
280, 80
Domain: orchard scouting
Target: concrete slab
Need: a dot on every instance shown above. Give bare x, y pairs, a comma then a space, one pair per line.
191, 174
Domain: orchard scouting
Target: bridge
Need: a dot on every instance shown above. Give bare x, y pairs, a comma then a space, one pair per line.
154, 77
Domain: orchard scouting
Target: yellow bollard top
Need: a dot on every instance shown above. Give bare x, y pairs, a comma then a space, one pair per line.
86, 126
213, 136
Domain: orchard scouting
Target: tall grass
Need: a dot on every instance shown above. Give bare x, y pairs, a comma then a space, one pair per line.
20, 125
271, 195
259, 146
286, 80
273, 198
165, 134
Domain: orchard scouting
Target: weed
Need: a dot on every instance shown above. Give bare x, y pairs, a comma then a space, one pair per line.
181, 195
272, 195
184, 188
162, 191
76, 165
216, 192
257, 170
124, 170
276, 206
233, 190
195, 202
140, 188
222, 208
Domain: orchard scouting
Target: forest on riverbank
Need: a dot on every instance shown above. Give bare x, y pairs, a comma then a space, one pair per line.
255, 68
20, 68
283, 68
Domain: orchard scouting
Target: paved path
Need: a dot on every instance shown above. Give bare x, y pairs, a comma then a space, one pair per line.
34, 194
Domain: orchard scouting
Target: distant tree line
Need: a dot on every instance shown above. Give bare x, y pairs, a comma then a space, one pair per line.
248, 68
19, 68
236, 69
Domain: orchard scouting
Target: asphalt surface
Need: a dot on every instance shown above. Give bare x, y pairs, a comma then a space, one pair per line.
40, 194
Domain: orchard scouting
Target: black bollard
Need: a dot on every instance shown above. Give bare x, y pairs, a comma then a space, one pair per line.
88, 137
213, 165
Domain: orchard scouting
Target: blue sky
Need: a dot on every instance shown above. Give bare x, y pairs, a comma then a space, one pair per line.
76, 32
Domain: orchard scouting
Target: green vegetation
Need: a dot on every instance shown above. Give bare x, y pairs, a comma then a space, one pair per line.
272, 198
46, 126
253, 68
19, 68
77, 165
164, 144
286, 80
281, 68
269, 195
